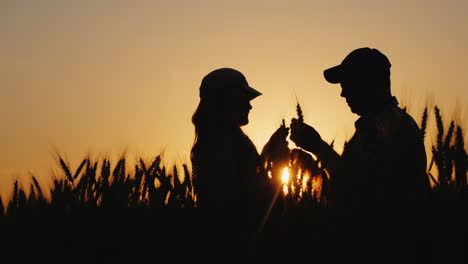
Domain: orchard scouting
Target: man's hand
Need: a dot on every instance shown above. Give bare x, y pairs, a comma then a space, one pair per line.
305, 136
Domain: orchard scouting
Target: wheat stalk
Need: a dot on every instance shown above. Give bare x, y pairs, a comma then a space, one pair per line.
424, 123
66, 169
300, 115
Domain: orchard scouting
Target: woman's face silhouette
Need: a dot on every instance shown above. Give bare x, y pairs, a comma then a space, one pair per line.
241, 108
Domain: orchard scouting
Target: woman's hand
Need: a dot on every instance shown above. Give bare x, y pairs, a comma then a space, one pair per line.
277, 146
279, 137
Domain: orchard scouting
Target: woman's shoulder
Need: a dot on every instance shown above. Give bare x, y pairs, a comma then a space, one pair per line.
247, 147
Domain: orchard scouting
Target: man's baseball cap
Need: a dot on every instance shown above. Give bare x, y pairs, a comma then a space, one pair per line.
226, 78
362, 62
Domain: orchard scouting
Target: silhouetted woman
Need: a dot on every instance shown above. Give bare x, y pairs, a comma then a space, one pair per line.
230, 183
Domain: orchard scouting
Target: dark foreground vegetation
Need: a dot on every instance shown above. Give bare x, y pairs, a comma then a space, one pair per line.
101, 213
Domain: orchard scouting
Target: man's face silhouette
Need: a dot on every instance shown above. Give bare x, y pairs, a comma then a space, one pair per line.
359, 94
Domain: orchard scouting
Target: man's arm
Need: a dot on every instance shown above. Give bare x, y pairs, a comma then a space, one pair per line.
330, 159
309, 139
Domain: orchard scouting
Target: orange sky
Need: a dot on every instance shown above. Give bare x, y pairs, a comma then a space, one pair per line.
105, 77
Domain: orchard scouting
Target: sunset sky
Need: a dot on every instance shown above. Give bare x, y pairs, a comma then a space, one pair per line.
114, 76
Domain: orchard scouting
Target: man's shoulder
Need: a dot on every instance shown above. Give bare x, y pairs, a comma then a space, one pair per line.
408, 122
400, 119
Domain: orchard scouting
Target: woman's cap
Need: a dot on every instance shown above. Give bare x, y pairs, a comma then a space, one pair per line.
363, 62
226, 79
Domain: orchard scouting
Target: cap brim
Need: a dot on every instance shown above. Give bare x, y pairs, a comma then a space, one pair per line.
252, 92
334, 74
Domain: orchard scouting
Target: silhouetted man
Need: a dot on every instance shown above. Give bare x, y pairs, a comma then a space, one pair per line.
380, 178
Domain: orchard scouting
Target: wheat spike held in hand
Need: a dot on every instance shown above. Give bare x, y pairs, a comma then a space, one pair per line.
300, 115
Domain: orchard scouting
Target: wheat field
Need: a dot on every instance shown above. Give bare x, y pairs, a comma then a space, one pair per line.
100, 212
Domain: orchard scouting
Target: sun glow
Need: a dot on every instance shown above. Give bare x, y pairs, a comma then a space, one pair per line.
285, 176
317, 186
